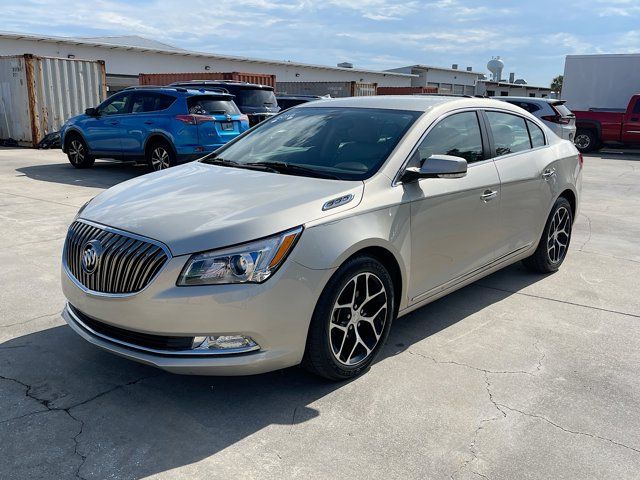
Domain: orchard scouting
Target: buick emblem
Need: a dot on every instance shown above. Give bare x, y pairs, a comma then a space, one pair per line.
91, 256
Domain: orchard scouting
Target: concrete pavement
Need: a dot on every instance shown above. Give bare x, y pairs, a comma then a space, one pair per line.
517, 376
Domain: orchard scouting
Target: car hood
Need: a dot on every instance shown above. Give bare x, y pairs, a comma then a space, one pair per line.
196, 207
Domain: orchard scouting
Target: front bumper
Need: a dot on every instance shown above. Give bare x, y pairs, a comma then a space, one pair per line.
276, 314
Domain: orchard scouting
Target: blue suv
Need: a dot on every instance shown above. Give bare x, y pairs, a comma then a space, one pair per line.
161, 126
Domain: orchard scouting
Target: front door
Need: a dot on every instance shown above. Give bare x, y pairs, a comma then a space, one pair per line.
631, 127
104, 132
453, 220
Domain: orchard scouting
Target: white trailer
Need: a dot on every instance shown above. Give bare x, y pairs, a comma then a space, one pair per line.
600, 81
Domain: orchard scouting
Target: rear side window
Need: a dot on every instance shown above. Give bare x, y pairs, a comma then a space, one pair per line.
457, 135
537, 137
510, 133
210, 105
529, 107
150, 102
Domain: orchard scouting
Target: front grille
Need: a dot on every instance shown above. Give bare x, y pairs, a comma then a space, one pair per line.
123, 264
146, 340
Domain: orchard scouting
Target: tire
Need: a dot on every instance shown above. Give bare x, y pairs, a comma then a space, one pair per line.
554, 243
160, 156
586, 140
355, 331
78, 152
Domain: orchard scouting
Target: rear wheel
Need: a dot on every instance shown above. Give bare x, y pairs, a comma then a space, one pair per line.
553, 246
586, 140
351, 321
160, 156
78, 153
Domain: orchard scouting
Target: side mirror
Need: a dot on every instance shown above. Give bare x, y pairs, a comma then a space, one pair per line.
437, 166
92, 112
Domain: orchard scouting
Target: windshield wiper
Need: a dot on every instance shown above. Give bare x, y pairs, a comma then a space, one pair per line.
290, 168
234, 164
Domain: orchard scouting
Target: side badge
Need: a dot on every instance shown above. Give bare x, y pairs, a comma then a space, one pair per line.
337, 202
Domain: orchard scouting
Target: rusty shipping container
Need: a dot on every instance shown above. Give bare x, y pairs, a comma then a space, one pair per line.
167, 78
406, 90
335, 89
38, 94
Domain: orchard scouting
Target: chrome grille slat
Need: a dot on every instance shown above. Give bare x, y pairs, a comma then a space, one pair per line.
126, 265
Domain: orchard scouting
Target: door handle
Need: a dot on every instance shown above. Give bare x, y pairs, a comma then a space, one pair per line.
548, 173
148, 122
634, 119
489, 195
113, 123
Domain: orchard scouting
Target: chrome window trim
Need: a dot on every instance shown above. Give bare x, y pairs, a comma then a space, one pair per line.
396, 179
537, 121
124, 233
180, 353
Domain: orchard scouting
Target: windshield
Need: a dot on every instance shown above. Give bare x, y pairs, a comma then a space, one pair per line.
255, 98
346, 143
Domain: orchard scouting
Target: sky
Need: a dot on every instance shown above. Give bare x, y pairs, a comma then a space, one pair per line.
531, 37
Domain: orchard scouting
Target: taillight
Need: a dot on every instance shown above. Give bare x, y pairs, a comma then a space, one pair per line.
557, 119
195, 119
580, 159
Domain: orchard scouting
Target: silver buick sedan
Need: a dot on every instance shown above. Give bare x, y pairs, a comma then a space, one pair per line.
303, 239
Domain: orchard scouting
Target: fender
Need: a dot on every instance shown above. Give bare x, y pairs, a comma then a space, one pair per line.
590, 125
63, 140
156, 134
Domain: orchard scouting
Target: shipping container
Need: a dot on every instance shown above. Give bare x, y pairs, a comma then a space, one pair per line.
335, 89
39, 94
167, 78
600, 81
406, 90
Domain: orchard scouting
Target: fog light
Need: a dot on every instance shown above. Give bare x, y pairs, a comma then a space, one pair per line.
224, 342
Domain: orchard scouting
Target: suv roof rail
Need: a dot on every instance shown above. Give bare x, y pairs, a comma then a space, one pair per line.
155, 87
228, 82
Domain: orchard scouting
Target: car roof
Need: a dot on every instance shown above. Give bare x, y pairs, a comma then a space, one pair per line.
177, 90
419, 103
224, 83
553, 101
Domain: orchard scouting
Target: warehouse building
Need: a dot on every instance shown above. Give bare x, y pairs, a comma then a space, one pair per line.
446, 80
127, 56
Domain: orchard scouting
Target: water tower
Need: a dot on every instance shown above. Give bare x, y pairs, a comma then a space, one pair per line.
495, 66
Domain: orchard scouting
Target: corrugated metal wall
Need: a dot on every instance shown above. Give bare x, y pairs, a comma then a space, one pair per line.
38, 94
167, 78
335, 89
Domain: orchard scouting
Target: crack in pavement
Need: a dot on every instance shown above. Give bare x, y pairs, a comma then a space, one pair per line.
574, 432
39, 199
566, 302
48, 408
589, 236
30, 319
501, 407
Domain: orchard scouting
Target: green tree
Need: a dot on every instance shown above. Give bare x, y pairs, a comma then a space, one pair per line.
556, 83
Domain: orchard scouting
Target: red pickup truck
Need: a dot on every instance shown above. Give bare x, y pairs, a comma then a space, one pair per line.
598, 126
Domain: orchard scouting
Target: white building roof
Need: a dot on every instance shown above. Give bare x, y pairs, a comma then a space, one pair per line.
432, 67
141, 44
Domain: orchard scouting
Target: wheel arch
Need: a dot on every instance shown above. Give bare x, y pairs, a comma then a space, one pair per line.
156, 136
571, 197
590, 125
69, 134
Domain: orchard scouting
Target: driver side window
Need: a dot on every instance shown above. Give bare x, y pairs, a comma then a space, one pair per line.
115, 105
458, 135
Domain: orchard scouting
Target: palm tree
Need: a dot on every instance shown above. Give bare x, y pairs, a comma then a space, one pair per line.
556, 84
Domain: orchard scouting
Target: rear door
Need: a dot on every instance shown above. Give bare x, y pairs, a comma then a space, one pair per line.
453, 220
631, 127
527, 176
145, 116
218, 119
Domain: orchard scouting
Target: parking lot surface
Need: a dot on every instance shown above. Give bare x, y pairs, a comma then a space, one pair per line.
518, 376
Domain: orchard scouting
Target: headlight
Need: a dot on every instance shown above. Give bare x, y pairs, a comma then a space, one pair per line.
252, 262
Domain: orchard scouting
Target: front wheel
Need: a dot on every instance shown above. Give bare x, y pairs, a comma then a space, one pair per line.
351, 321
554, 243
78, 153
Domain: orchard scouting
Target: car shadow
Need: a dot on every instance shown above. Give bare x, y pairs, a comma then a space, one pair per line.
103, 174
616, 155
135, 421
